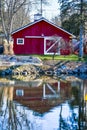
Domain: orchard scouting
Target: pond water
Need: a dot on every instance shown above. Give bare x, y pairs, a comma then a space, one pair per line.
54, 104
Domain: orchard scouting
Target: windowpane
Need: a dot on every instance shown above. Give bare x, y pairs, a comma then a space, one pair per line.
19, 92
20, 41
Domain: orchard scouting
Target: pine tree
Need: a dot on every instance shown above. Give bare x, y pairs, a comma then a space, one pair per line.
73, 12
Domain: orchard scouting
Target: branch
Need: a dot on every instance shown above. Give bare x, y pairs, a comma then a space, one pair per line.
16, 7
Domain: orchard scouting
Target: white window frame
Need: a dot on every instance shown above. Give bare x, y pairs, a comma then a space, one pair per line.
22, 43
20, 92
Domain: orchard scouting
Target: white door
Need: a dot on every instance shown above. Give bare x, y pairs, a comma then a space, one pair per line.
51, 45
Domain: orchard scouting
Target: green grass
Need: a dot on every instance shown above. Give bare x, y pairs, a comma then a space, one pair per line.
61, 57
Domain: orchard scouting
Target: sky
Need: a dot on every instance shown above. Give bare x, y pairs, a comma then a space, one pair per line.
49, 11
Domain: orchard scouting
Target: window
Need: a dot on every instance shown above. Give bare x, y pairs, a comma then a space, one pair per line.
20, 41
19, 92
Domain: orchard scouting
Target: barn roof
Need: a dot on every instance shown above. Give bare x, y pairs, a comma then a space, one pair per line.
42, 19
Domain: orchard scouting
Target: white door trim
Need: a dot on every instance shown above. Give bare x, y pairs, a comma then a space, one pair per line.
46, 51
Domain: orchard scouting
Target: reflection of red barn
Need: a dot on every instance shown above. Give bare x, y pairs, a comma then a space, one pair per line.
39, 38
42, 98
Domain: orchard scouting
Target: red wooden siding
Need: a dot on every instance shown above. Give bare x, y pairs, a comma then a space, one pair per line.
33, 45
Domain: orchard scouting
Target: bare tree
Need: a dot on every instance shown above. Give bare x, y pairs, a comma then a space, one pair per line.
14, 13
22, 17
8, 10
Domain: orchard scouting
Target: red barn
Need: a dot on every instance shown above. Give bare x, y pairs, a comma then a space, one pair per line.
39, 37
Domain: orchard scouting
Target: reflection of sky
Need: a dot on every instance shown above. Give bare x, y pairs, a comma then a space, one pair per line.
47, 121
31, 120
52, 118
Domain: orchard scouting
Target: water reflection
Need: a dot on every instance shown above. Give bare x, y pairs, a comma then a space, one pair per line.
43, 105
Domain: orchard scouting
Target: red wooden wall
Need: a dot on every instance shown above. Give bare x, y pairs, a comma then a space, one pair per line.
36, 45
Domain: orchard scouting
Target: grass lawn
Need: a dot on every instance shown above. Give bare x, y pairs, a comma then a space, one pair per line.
57, 57
60, 57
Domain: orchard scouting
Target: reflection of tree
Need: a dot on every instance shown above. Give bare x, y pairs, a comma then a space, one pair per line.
8, 114
74, 121
1, 92
78, 94
75, 93
69, 123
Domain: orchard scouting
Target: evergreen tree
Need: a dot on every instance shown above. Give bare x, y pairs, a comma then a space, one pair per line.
72, 13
